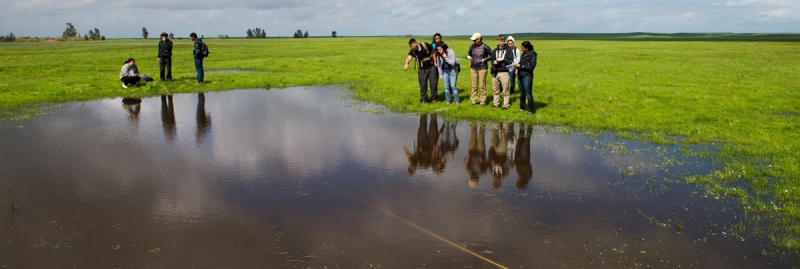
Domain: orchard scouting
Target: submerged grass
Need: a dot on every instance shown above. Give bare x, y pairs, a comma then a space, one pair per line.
741, 95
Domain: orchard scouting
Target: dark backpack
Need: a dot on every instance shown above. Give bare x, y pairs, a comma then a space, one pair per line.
204, 50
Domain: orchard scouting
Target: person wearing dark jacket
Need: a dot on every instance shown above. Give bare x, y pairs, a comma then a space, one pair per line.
525, 69
478, 55
165, 57
198, 57
501, 57
427, 73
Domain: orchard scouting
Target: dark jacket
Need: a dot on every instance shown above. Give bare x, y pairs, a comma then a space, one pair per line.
198, 49
479, 63
526, 64
165, 48
504, 57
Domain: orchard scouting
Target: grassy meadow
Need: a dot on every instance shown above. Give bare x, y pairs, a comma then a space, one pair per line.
744, 96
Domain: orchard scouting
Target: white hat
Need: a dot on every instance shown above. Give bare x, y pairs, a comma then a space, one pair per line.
475, 36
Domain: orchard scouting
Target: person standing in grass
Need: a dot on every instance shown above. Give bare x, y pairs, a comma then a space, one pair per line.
426, 72
525, 69
198, 57
502, 56
448, 71
165, 57
129, 75
512, 71
478, 54
437, 38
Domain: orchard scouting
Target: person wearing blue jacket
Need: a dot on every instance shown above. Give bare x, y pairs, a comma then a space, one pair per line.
525, 67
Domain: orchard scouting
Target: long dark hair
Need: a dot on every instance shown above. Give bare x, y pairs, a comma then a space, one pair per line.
443, 46
433, 41
527, 45
130, 60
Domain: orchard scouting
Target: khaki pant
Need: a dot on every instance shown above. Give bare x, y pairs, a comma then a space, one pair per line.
478, 78
500, 86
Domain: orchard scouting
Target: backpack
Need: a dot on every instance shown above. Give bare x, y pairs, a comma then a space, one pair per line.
428, 49
204, 50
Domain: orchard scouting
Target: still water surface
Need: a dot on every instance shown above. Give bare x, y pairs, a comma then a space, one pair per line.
304, 177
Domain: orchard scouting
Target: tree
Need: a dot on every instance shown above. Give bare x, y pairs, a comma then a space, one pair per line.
11, 36
145, 33
263, 33
70, 31
298, 34
171, 36
103, 38
249, 33
306, 35
86, 37
333, 34
94, 34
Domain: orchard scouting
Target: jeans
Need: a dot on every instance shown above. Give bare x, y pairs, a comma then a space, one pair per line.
165, 63
526, 93
428, 76
512, 79
130, 80
450, 79
198, 65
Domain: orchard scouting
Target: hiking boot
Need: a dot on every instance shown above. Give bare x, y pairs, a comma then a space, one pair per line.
505, 108
530, 113
124, 86
433, 101
521, 110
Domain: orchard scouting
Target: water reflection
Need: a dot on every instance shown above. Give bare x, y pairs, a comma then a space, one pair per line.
203, 119
476, 159
522, 155
327, 186
132, 107
168, 118
427, 149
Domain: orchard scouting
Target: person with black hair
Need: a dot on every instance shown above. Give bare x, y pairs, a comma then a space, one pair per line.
501, 58
198, 57
165, 57
426, 71
448, 71
525, 69
129, 75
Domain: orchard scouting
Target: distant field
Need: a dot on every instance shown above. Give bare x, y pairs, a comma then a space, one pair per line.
745, 95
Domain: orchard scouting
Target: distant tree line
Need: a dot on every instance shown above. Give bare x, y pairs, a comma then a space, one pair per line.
223, 37
256, 33
299, 34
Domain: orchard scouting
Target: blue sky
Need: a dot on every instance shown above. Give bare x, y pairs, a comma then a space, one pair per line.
118, 18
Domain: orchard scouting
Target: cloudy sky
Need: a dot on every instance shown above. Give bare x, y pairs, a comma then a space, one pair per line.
117, 19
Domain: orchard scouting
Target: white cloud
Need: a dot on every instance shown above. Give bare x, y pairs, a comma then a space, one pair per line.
117, 18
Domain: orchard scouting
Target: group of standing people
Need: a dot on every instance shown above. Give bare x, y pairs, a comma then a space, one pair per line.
507, 64
129, 75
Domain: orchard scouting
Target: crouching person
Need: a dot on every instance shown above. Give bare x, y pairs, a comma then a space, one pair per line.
129, 75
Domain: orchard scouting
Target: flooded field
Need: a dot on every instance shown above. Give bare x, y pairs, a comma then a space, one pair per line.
306, 178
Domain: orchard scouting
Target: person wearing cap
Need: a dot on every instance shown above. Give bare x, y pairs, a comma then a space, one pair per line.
129, 75
501, 57
165, 57
198, 57
478, 55
427, 73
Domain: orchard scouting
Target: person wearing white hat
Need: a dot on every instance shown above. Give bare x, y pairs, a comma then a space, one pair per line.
478, 55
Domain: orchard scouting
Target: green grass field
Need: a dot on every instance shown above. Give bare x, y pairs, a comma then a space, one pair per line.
744, 96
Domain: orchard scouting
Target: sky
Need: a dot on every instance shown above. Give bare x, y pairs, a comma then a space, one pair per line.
125, 19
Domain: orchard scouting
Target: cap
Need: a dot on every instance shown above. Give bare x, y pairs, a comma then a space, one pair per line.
475, 36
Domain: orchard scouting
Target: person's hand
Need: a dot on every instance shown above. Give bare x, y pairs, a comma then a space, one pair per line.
469, 57
159, 59
516, 66
405, 68
441, 79
444, 55
516, 72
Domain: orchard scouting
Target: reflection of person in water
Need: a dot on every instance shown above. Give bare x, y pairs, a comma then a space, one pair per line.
476, 160
497, 153
448, 141
522, 157
426, 153
203, 119
132, 107
168, 117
